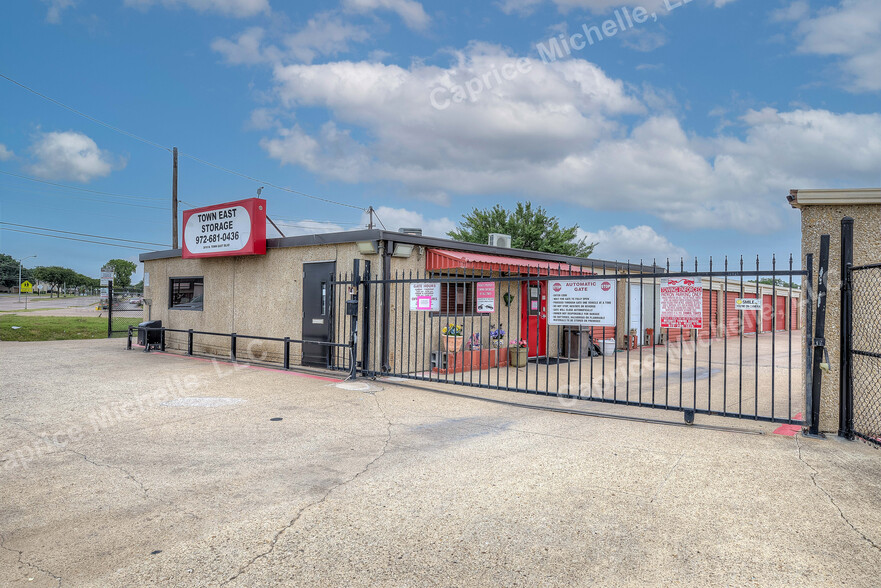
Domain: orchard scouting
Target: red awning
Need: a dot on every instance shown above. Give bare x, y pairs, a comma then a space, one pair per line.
444, 259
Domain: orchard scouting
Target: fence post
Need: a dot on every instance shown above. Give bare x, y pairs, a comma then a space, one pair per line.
365, 321
809, 345
109, 308
161, 339
232, 347
353, 333
845, 399
819, 343
287, 353
128, 344
190, 342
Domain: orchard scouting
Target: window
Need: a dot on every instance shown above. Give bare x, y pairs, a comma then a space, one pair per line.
186, 293
457, 299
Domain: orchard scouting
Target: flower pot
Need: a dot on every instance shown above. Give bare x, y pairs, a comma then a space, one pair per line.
497, 343
517, 356
453, 343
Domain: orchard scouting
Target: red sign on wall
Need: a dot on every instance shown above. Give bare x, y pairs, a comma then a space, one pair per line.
233, 228
682, 303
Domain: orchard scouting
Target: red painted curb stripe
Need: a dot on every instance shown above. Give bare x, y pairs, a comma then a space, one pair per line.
789, 430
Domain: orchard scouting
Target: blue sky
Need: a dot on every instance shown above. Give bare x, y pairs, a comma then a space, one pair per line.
680, 135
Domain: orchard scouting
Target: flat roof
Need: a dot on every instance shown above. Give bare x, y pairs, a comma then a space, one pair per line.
396, 237
799, 198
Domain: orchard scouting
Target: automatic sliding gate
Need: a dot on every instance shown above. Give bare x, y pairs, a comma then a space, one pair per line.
491, 330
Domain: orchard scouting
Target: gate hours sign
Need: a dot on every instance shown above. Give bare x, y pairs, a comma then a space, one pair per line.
682, 303
425, 296
587, 303
233, 228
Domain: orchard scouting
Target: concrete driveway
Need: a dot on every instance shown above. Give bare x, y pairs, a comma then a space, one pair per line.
121, 468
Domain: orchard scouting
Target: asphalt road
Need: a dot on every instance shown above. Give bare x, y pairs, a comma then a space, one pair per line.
122, 468
10, 302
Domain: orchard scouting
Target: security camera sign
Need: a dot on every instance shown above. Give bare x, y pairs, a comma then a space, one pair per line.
587, 303
682, 303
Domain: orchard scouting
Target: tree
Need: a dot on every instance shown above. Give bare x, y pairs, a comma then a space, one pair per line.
55, 276
9, 272
530, 228
123, 270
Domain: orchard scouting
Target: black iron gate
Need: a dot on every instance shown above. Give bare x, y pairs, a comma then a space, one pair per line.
861, 396
445, 327
124, 307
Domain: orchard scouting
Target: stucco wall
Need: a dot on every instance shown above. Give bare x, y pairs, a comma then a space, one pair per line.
826, 219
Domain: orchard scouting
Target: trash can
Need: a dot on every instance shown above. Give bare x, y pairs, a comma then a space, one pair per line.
572, 343
147, 336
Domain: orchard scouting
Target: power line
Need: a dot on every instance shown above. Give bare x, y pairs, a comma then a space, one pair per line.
69, 187
267, 183
193, 157
83, 234
93, 199
86, 116
75, 239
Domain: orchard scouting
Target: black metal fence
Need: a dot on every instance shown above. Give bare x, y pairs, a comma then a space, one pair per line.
739, 363
124, 307
862, 332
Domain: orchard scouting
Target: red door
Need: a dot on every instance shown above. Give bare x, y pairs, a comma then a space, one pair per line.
534, 316
767, 313
780, 313
750, 317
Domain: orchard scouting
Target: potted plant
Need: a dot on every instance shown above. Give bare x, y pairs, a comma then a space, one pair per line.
518, 354
496, 335
452, 337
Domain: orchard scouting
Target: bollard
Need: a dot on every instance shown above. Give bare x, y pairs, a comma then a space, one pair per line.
190, 342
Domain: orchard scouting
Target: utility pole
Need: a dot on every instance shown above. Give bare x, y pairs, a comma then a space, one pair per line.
174, 200
370, 222
21, 261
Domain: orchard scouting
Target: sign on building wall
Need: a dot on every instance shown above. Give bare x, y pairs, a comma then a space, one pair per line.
486, 296
587, 303
425, 296
748, 304
682, 303
233, 228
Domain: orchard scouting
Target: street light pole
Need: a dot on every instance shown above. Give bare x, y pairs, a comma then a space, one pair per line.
20, 261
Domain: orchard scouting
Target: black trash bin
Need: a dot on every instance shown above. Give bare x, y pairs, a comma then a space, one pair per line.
147, 335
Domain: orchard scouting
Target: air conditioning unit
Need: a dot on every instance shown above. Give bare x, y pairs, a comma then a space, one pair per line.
500, 240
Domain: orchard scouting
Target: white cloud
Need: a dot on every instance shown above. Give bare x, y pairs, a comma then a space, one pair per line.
795, 11
557, 132
620, 243
852, 32
5, 153
398, 218
525, 7
70, 156
56, 7
325, 34
235, 8
292, 228
410, 11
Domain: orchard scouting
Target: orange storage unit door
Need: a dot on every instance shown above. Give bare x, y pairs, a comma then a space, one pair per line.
731, 316
793, 314
749, 317
711, 313
781, 313
767, 312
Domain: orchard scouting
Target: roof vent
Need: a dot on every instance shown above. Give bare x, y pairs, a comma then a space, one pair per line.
410, 231
500, 240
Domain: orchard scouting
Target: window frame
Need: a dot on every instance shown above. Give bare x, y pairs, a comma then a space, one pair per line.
185, 306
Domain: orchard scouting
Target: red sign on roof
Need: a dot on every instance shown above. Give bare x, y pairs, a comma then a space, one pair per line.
233, 228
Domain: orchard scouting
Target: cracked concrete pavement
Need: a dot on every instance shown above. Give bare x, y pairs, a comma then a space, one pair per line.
101, 484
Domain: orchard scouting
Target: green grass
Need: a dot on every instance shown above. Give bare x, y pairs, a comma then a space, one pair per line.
53, 328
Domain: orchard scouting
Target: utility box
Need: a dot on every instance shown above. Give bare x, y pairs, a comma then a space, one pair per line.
148, 336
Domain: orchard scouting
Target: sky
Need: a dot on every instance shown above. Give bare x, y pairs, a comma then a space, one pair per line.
662, 128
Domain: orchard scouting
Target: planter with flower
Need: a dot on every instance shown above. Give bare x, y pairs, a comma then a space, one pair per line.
452, 337
518, 353
496, 336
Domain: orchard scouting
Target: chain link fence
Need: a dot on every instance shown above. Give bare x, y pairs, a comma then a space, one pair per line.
124, 308
866, 352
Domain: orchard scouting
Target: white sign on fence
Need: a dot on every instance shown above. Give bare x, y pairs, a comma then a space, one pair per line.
682, 303
425, 296
587, 303
748, 304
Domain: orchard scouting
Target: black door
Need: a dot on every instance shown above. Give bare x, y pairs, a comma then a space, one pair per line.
317, 305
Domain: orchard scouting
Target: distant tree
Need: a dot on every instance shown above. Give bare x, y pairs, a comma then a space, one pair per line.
123, 270
9, 272
530, 228
780, 283
56, 276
